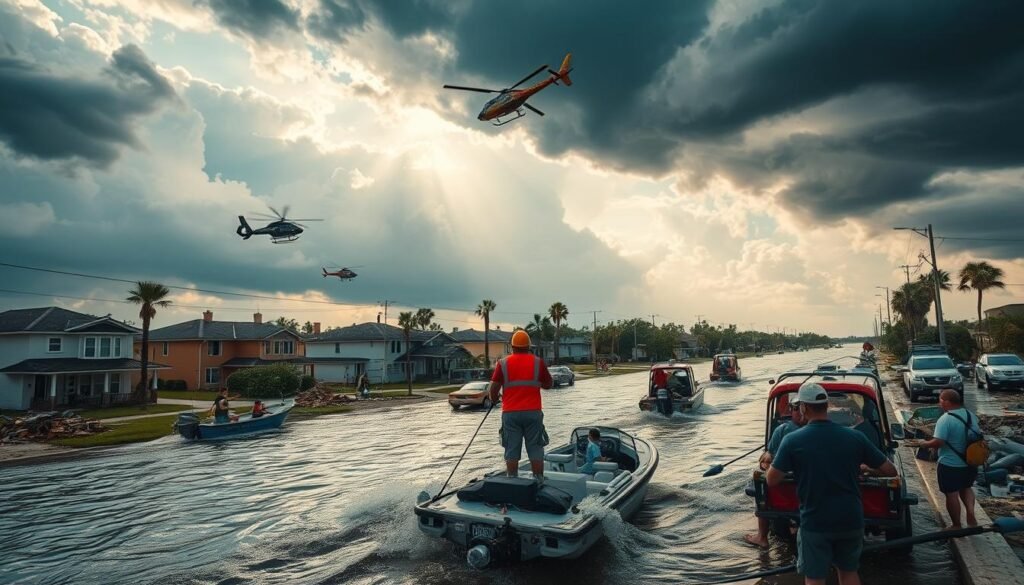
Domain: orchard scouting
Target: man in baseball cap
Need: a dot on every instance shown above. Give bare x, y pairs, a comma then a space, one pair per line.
825, 458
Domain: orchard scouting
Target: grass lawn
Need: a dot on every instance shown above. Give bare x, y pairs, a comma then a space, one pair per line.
446, 390
117, 411
187, 394
135, 431
350, 388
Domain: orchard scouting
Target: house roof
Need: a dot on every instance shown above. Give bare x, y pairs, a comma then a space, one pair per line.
248, 362
218, 331
1012, 307
472, 335
688, 339
58, 320
75, 365
371, 332
449, 351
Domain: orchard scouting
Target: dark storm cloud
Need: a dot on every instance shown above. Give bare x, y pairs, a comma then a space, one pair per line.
334, 19
256, 18
56, 116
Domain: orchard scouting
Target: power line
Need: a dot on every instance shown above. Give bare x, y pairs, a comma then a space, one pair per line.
967, 239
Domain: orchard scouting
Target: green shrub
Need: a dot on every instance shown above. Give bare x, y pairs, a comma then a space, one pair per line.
264, 382
307, 383
171, 384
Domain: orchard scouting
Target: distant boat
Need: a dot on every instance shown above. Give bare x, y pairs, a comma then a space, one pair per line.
189, 427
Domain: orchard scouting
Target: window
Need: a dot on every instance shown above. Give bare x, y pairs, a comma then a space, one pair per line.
115, 384
166, 348
213, 375
212, 348
104, 347
266, 347
53, 345
90, 347
337, 348
284, 347
117, 347
396, 346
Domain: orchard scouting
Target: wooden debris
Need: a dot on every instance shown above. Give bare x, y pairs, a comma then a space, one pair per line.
43, 426
321, 396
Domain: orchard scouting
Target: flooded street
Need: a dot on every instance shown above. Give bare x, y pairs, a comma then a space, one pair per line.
330, 500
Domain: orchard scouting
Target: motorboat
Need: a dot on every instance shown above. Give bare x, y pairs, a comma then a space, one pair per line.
672, 387
725, 367
499, 519
189, 426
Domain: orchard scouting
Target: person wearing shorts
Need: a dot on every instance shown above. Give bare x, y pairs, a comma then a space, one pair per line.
826, 460
519, 378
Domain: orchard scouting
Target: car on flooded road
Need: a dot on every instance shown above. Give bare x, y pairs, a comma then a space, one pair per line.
928, 375
1000, 370
471, 394
856, 402
562, 376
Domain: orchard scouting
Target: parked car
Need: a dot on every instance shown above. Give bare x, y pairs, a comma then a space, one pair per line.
464, 375
562, 375
471, 394
930, 374
1000, 370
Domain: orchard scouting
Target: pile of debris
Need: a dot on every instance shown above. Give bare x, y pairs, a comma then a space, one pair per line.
321, 396
42, 426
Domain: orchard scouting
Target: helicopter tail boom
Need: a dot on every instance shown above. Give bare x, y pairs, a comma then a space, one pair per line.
244, 230
563, 71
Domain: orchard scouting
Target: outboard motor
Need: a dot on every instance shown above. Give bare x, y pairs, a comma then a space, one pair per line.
664, 401
187, 425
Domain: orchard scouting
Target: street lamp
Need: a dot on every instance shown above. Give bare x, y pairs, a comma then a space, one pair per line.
935, 276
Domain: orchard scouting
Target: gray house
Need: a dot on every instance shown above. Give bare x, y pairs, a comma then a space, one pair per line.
52, 357
341, 355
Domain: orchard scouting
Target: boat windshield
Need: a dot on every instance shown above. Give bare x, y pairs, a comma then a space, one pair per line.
675, 379
850, 410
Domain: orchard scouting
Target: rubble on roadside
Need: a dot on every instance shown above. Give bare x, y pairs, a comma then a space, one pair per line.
321, 396
43, 426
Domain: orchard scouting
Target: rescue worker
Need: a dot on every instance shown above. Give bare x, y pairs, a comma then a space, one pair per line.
520, 378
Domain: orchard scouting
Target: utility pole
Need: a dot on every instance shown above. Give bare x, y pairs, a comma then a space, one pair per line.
939, 322
888, 302
593, 340
652, 321
635, 355
384, 330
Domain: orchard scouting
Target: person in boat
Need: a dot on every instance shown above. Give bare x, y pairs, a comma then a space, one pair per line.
518, 380
220, 409
593, 452
679, 384
259, 409
826, 458
795, 422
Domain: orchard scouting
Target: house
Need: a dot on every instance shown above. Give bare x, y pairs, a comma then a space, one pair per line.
500, 342
1011, 310
204, 352
341, 355
686, 346
574, 349
52, 357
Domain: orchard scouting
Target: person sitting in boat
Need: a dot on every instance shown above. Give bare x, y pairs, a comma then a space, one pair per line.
593, 452
219, 410
793, 424
259, 409
679, 384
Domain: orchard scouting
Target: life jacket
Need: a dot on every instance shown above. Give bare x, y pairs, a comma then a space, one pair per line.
521, 386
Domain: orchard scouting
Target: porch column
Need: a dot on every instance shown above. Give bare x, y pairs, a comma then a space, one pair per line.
105, 399
155, 376
53, 391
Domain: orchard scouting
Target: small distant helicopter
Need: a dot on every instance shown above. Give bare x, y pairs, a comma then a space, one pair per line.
510, 100
342, 274
281, 231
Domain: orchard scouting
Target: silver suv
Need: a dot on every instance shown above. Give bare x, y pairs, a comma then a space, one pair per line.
927, 375
1000, 370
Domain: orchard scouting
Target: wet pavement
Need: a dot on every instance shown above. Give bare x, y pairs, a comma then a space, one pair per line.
329, 500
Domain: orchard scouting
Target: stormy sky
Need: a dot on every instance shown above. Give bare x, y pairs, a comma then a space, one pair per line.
744, 161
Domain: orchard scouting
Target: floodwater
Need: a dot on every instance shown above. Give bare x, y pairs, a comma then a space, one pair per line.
329, 500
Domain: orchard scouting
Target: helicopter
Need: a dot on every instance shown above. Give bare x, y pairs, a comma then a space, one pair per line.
511, 100
342, 274
281, 231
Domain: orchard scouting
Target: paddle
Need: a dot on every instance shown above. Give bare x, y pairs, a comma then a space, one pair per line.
1004, 525
716, 469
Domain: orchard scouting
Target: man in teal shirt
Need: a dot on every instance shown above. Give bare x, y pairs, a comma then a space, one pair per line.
956, 477
826, 460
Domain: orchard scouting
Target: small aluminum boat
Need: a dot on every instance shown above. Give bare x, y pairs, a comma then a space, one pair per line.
672, 387
506, 519
188, 424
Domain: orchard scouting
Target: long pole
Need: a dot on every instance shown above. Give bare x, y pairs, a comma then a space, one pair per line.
938, 290
635, 355
906, 304
384, 363
593, 341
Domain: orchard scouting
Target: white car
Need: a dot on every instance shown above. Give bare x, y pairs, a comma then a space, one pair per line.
1000, 370
562, 375
471, 394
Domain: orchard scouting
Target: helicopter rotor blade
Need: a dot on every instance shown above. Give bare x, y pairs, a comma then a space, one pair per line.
307, 219
262, 215
521, 81
533, 109
279, 216
284, 211
479, 89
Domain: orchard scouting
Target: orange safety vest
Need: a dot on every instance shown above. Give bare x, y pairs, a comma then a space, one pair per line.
521, 387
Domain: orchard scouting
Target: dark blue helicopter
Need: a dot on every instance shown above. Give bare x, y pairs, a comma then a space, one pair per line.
281, 231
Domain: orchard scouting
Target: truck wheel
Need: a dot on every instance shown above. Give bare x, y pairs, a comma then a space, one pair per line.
779, 528
905, 531
487, 402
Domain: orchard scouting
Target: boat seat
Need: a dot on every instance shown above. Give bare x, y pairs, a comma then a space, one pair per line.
604, 476
606, 466
596, 487
573, 483
558, 461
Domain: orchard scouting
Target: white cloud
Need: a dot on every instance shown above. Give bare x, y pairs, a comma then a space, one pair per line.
357, 180
25, 219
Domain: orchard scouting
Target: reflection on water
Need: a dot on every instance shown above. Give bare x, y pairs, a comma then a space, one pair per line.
330, 500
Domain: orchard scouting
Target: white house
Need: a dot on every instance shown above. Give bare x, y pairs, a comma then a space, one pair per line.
52, 357
570, 349
341, 355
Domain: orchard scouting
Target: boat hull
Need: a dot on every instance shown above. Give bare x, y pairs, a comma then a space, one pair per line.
246, 425
648, 403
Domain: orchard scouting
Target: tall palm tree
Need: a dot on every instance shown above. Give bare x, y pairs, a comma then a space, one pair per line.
484, 310
423, 318
929, 281
150, 295
980, 276
407, 321
558, 313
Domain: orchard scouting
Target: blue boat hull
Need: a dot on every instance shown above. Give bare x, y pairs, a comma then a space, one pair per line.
246, 425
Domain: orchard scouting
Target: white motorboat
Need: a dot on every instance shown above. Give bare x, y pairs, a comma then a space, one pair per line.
499, 518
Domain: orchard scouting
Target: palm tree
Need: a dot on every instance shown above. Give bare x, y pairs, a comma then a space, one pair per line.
407, 321
929, 281
423, 318
980, 276
150, 295
911, 303
558, 313
484, 310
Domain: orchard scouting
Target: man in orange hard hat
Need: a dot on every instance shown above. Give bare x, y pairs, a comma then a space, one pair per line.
520, 378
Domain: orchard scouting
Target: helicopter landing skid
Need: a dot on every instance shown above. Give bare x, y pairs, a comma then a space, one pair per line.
287, 240
519, 114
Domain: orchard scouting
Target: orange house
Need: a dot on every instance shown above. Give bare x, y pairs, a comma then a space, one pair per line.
500, 342
204, 352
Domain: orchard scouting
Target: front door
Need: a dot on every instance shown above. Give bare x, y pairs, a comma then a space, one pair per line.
40, 388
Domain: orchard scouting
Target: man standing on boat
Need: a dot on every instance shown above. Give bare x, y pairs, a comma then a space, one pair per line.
520, 378
795, 422
826, 458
